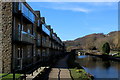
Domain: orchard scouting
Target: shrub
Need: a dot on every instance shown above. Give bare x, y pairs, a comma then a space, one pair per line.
106, 48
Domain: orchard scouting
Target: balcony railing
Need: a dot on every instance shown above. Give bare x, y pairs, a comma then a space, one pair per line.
25, 37
56, 38
26, 12
45, 30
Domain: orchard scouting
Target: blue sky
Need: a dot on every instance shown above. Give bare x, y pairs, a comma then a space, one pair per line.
71, 20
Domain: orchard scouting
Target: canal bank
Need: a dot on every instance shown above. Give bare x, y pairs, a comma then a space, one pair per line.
76, 71
100, 68
108, 57
100, 54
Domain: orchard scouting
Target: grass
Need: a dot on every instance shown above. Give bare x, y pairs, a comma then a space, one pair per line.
118, 54
9, 76
77, 72
80, 74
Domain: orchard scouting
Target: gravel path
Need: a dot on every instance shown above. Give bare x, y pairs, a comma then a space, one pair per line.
60, 70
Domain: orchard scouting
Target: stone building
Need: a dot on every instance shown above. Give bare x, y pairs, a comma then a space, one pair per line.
27, 41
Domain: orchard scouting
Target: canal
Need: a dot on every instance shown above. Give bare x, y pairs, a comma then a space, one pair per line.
100, 68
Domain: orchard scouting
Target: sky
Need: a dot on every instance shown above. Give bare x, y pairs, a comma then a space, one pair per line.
71, 20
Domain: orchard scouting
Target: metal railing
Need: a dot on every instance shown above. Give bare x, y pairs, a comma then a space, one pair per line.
27, 37
26, 12
24, 37
2, 77
45, 29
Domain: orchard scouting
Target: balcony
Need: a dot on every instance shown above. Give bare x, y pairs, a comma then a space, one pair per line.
25, 11
54, 36
43, 20
24, 37
46, 30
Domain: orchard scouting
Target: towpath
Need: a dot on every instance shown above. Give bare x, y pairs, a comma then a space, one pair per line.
60, 71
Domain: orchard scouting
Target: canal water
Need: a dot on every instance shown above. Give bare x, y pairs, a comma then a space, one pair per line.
100, 68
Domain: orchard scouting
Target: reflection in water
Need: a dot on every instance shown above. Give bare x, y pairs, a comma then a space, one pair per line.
99, 67
106, 64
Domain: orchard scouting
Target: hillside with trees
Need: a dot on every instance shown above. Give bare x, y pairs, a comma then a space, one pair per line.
95, 41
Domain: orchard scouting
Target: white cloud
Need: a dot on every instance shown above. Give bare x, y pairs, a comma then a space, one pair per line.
65, 6
77, 9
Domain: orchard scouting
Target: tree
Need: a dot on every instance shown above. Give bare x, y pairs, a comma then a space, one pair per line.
106, 48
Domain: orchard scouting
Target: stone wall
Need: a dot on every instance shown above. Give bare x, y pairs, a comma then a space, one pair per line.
0, 37
6, 36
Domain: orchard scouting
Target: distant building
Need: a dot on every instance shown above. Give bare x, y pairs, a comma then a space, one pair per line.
27, 40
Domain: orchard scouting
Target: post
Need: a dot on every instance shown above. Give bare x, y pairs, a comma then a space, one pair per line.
25, 73
13, 74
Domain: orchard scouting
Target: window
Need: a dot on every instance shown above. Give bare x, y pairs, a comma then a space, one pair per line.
39, 37
22, 28
28, 53
43, 52
28, 31
38, 22
19, 57
39, 53
20, 53
19, 26
34, 52
19, 6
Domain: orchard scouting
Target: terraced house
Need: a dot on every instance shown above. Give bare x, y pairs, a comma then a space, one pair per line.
27, 41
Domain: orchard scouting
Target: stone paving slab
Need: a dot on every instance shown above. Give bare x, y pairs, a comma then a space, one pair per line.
64, 73
61, 71
54, 73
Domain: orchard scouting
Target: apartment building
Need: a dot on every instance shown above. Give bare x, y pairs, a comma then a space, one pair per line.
26, 38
